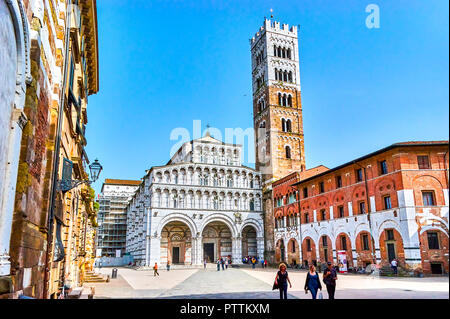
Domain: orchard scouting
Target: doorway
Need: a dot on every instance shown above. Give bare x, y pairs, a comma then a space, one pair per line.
175, 255
208, 252
391, 251
436, 268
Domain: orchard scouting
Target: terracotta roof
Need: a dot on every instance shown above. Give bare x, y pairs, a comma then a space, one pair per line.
122, 182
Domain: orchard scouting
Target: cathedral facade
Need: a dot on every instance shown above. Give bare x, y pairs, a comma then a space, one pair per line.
203, 205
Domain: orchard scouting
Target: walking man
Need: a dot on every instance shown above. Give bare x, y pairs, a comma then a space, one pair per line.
394, 266
223, 263
329, 278
226, 263
218, 264
155, 270
204, 264
168, 265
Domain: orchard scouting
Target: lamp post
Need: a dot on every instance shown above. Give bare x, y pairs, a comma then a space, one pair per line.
65, 185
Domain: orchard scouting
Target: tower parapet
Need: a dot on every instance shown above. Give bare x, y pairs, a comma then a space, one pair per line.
274, 26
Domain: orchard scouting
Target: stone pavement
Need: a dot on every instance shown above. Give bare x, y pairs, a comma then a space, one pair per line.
245, 283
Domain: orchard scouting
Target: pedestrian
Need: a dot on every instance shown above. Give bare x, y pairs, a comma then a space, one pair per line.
329, 278
204, 264
218, 264
281, 280
168, 266
312, 282
155, 270
265, 263
394, 266
253, 262
262, 263
226, 263
222, 262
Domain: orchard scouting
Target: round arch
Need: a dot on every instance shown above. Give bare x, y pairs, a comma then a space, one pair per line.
220, 218
174, 217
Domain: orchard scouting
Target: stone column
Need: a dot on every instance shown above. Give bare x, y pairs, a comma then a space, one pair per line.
260, 247
286, 248
331, 212
236, 250
155, 250
350, 209
315, 215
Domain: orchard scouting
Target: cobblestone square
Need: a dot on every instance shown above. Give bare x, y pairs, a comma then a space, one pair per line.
247, 283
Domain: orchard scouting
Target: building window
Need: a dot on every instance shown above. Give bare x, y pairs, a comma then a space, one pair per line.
359, 175
433, 240
306, 218
362, 207
324, 241
323, 214
308, 244
321, 187
389, 234
305, 192
338, 181
343, 243
428, 198
288, 152
383, 168
341, 211
423, 161
365, 241
293, 246
387, 202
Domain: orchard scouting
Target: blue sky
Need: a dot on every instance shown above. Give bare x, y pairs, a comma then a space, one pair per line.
166, 63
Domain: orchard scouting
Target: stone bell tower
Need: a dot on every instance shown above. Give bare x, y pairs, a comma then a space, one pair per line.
277, 110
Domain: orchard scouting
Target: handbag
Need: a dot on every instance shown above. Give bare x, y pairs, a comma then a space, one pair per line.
320, 295
275, 285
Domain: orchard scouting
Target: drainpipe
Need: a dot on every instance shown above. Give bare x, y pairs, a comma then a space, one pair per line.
300, 225
55, 168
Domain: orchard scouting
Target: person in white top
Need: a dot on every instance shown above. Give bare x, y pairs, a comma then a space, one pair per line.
394, 265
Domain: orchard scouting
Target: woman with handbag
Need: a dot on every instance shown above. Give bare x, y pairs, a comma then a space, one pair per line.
281, 281
312, 282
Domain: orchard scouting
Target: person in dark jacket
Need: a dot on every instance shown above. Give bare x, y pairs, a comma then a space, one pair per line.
329, 278
312, 282
282, 279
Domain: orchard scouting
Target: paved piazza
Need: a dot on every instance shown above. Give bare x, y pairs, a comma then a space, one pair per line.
241, 283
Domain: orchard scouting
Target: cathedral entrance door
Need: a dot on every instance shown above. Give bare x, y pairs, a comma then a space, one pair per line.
175, 255
208, 252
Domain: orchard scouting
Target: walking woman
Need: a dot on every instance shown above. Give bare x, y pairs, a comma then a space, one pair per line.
282, 279
312, 282
155, 269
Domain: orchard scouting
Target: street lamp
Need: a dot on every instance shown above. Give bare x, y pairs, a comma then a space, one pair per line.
65, 185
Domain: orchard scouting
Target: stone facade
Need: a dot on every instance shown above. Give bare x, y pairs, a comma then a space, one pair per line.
52, 34
15, 74
201, 206
277, 111
407, 197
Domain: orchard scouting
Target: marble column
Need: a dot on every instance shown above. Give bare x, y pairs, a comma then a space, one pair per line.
236, 250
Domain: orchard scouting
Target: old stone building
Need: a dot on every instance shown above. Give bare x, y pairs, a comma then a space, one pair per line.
277, 110
393, 203
203, 205
57, 46
14, 76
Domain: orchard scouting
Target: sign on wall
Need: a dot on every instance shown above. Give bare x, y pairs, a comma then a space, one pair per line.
342, 261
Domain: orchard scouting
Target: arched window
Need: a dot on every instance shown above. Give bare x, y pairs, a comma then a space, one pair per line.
280, 75
283, 125
290, 100
262, 124
279, 52
289, 126
288, 53
288, 151
284, 100
283, 52
252, 205
274, 50
276, 74
285, 76
279, 99
290, 76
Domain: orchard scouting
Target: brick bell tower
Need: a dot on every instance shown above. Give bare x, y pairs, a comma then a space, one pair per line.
277, 111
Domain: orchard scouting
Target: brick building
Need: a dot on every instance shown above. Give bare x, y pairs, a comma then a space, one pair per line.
392, 203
